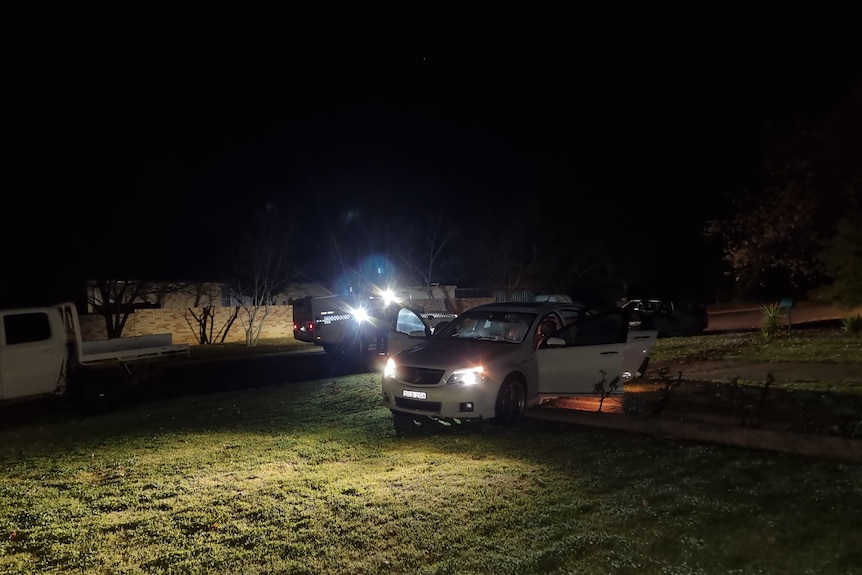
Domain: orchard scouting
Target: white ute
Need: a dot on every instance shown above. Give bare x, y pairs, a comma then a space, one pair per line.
42, 355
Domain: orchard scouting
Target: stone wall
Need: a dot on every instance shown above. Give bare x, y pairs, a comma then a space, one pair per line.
279, 322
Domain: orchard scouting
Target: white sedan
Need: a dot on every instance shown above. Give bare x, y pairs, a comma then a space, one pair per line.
495, 360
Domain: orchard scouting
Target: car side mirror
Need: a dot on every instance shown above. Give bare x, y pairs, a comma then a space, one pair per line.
419, 333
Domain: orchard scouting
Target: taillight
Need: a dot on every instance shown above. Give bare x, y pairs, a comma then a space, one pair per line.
311, 326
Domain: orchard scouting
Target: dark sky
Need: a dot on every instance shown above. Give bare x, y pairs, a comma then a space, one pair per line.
157, 134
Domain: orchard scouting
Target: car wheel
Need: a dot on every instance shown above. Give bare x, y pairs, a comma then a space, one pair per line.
511, 402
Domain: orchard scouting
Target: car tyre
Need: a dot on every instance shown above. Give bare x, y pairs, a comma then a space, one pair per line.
98, 393
511, 402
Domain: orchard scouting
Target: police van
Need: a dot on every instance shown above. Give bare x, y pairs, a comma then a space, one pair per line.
349, 325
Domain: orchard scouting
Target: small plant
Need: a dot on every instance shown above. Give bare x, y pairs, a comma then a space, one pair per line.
750, 415
604, 389
852, 324
771, 320
669, 385
764, 392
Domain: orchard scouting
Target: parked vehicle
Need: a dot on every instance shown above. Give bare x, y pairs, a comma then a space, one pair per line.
42, 355
554, 297
343, 325
495, 360
667, 316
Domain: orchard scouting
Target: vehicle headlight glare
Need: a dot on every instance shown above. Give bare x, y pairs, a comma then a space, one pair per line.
467, 376
389, 369
389, 297
359, 314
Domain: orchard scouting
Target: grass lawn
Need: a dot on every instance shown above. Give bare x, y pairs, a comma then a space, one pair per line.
271, 345
312, 478
802, 345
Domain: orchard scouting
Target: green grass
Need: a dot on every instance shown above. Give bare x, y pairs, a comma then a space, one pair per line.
312, 478
821, 345
264, 346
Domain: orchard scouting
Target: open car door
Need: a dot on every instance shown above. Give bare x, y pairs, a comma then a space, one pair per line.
639, 342
588, 352
406, 330
409, 328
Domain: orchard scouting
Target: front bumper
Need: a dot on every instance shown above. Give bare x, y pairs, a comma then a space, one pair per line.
449, 401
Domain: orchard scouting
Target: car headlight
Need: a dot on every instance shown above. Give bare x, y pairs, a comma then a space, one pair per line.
467, 376
359, 314
389, 369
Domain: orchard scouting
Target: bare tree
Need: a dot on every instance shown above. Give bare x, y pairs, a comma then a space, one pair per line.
205, 321
116, 300
511, 255
259, 272
422, 255
204, 310
588, 259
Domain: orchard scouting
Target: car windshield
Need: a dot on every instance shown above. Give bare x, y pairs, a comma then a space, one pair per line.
502, 326
642, 305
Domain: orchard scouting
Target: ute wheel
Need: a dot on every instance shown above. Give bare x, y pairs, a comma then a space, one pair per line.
511, 402
99, 393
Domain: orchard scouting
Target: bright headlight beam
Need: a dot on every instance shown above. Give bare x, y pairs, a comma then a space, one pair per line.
359, 314
468, 376
388, 297
389, 369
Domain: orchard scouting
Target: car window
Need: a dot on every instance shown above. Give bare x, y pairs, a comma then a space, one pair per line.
552, 316
408, 321
516, 331
570, 315
501, 326
597, 329
26, 327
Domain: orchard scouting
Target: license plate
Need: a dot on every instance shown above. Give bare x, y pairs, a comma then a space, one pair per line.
413, 394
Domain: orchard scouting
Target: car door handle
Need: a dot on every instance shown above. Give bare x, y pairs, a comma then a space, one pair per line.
609, 352
642, 337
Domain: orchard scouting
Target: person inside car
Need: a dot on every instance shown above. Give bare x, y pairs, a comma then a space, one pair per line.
515, 332
547, 329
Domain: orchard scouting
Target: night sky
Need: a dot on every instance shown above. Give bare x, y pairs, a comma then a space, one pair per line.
152, 137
